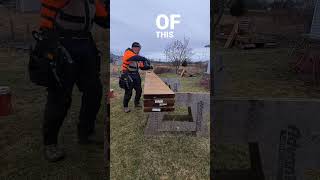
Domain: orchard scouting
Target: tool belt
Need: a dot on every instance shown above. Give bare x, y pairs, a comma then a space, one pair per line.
39, 69
125, 81
47, 61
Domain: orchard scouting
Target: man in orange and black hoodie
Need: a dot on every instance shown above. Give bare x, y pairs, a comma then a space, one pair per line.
131, 63
67, 24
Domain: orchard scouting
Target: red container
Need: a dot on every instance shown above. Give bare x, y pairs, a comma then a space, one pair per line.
111, 93
5, 101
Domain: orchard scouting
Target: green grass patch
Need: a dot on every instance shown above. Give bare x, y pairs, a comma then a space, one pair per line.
134, 156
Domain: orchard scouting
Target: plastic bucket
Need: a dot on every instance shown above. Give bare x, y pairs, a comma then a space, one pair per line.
5, 101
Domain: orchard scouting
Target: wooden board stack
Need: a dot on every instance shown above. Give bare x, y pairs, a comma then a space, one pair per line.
158, 97
244, 36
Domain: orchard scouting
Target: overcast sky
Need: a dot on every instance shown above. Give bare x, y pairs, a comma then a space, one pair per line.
136, 21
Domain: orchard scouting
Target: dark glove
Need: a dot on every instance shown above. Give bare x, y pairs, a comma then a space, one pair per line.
146, 65
43, 59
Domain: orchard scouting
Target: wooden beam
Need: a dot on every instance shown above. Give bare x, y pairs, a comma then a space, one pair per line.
158, 103
158, 97
153, 85
158, 109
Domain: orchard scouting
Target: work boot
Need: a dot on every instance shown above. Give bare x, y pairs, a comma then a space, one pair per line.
53, 153
126, 110
138, 105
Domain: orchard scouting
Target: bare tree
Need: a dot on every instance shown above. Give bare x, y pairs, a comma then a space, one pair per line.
177, 51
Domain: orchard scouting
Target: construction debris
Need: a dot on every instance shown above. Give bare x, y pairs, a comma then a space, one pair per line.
244, 36
184, 73
158, 97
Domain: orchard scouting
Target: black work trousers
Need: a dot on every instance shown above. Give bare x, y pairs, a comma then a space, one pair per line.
85, 73
136, 85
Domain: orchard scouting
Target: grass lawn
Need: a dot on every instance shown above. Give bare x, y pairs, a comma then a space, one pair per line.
134, 156
263, 73
21, 150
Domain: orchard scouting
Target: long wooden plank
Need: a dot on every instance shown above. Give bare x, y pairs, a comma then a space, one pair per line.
158, 97
158, 109
158, 103
153, 85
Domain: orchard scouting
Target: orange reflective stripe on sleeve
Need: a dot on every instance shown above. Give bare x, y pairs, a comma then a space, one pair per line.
55, 3
100, 9
47, 12
50, 8
45, 23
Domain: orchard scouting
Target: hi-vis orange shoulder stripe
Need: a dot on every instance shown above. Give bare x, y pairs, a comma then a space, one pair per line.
100, 9
49, 10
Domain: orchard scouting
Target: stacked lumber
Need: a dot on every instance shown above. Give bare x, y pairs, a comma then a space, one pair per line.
158, 97
244, 36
